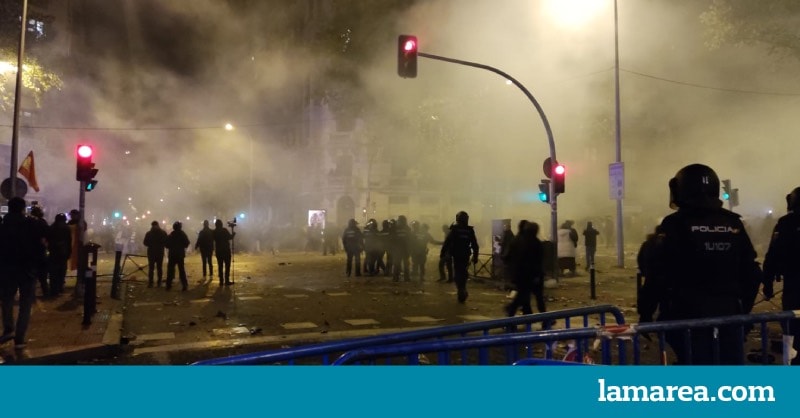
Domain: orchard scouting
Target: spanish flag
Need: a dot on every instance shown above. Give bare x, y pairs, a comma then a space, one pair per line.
28, 170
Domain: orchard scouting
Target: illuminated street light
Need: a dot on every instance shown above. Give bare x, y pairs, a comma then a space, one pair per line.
229, 127
574, 14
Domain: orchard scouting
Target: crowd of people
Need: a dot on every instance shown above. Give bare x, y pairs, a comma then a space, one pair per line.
698, 263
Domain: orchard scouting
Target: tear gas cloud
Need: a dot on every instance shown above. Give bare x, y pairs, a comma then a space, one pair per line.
156, 115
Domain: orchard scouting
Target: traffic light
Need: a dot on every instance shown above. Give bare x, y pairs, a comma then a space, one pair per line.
559, 176
407, 56
726, 189
544, 191
85, 170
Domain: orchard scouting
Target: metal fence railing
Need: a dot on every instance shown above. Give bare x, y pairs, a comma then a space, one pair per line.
324, 353
419, 352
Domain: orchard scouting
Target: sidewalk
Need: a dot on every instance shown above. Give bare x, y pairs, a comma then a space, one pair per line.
56, 334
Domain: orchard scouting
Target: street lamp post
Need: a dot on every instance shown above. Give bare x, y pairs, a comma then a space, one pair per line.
230, 127
617, 137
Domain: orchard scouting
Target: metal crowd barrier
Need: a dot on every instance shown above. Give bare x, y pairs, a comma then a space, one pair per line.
415, 352
325, 351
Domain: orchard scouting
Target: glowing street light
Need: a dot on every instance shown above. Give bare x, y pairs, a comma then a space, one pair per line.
229, 127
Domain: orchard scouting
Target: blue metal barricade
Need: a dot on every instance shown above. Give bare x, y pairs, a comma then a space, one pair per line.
412, 352
324, 351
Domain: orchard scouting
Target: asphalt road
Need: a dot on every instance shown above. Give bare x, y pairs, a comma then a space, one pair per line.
292, 299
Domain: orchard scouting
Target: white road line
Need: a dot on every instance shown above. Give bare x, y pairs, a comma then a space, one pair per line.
475, 317
230, 331
421, 319
295, 296
298, 325
337, 294
357, 322
249, 297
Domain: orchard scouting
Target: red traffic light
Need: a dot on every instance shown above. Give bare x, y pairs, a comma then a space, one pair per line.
407, 56
410, 45
559, 178
85, 151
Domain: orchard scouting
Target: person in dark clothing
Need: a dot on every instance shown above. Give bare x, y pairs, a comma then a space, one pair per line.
155, 240
781, 262
222, 245
400, 243
524, 258
446, 261
37, 216
373, 249
421, 238
502, 243
22, 243
590, 242
459, 244
205, 243
385, 236
330, 236
177, 243
353, 243
59, 246
704, 265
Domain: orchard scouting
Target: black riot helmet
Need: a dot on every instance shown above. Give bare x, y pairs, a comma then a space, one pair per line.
695, 185
462, 218
793, 200
352, 223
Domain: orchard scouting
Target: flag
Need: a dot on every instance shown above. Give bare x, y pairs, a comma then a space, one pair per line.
28, 170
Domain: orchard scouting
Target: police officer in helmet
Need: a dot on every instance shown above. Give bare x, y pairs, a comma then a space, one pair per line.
703, 265
781, 262
460, 244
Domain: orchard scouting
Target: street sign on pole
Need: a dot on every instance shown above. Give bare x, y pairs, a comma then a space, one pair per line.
616, 181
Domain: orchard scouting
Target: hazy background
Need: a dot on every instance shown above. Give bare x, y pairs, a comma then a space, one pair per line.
154, 82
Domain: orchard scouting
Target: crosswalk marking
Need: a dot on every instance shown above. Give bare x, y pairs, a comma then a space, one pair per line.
249, 297
357, 322
338, 294
474, 317
421, 319
204, 300
295, 296
299, 325
230, 331
156, 336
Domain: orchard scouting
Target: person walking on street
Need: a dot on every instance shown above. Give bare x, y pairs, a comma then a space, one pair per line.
703, 265
446, 261
177, 243
782, 263
155, 240
205, 243
525, 258
222, 245
21, 244
590, 242
59, 246
400, 243
567, 244
353, 243
37, 216
459, 244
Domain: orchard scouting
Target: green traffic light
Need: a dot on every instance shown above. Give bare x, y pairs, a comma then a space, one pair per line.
542, 197
726, 196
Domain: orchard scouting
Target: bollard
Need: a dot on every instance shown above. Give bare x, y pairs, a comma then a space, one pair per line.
116, 279
90, 284
592, 282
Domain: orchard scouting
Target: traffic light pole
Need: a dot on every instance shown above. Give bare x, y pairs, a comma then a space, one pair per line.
551, 141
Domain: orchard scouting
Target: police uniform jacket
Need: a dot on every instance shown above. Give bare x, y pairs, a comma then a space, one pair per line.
784, 250
703, 266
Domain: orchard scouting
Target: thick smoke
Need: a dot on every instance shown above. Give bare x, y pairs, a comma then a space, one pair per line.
158, 80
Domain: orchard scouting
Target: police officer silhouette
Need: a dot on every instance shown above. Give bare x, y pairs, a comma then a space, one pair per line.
781, 262
462, 246
703, 265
